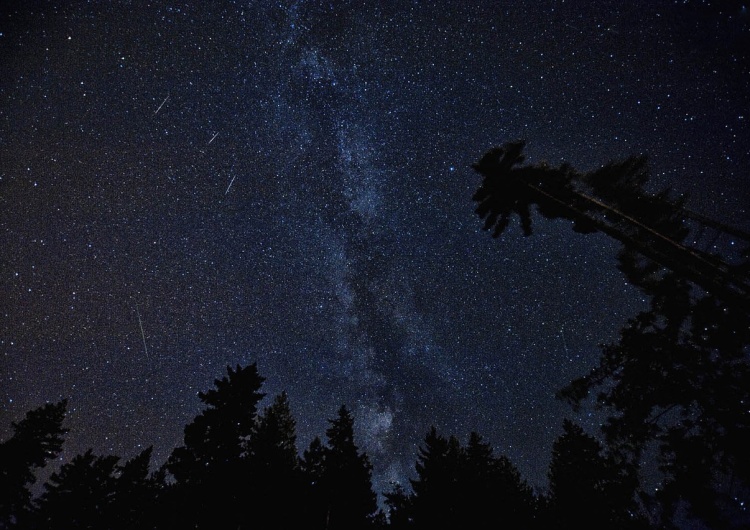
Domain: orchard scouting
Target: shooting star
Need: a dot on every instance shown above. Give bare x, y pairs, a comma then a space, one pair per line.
212, 139
162, 104
140, 325
565, 343
230, 184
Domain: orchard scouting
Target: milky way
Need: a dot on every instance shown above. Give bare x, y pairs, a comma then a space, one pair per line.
186, 187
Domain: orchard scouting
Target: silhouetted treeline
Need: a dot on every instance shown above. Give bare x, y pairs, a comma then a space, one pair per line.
241, 468
676, 386
237, 468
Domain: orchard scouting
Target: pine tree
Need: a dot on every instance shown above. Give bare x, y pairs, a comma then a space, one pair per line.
437, 487
274, 468
313, 461
347, 478
400, 508
36, 440
586, 487
465, 487
274, 443
136, 494
678, 380
80, 495
492, 490
312, 467
612, 200
211, 470
217, 437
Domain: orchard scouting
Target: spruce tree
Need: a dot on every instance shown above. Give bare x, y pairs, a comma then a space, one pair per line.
436, 488
275, 475
464, 487
136, 494
97, 492
80, 495
400, 509
312, 466
678, 381
492, 490
211, 470
347, 478
36, 440
587, 489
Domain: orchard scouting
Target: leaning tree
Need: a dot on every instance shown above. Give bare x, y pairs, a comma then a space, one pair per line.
679, 376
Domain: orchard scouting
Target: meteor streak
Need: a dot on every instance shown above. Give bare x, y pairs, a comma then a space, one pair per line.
162, 104
565, 343
140, 325
230, 184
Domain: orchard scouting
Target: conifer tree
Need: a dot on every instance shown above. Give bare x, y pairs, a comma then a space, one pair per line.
312, 466
464, 487
36, 440
587, 490
97, 492
80, 495
612, 200
437, 487
136, 494
218, 436
274, 443
211, 470
277, 486
492, 490
347, 478
679, 377
400, 509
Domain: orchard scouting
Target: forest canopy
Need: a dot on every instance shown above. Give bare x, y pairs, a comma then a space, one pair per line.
674, 385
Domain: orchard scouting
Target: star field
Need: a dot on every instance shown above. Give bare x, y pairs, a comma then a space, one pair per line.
189, 186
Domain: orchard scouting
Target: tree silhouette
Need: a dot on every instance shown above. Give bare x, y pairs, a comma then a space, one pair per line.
459, 487
679, 376
36, 439
211, 470
96, 492
493, 491
500, 197
400, 508
274, 443
436, 489
346, 480
612, 200
80, 494
136, 494
312, 466
274, 470
587, 489
218, 436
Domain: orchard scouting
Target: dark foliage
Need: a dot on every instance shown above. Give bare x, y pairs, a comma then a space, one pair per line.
94, 492
612, 200
274, 472
587, 488
36, 440
249, 475
677, 383
344, 480
679, 376
237, 469
462, 487
212, 469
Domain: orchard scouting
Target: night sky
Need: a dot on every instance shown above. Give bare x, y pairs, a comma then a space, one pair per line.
186, 186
